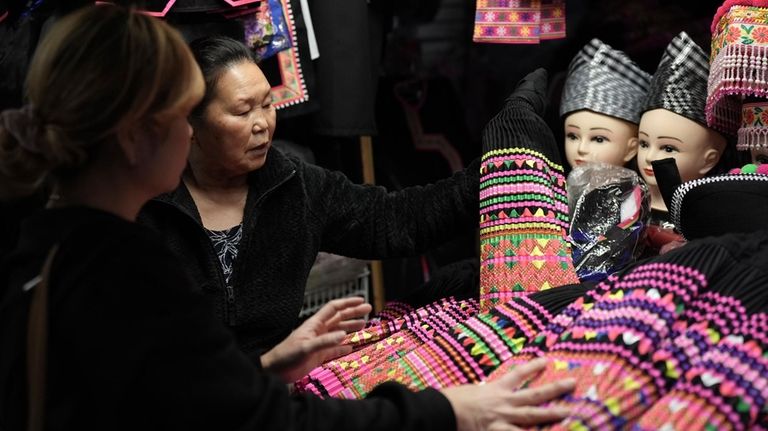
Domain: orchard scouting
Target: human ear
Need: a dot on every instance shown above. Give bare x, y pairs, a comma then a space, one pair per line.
631, 149
711, 157
136, 142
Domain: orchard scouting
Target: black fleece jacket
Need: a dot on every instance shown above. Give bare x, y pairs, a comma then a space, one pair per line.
293, 210
133, 346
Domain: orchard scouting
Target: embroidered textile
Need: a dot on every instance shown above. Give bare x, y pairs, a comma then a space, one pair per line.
519, 21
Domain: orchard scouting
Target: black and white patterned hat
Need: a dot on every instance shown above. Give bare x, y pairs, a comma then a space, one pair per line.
680, 82
605, 80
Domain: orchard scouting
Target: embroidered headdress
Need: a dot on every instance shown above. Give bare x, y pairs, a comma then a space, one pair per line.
740, 69
604, 80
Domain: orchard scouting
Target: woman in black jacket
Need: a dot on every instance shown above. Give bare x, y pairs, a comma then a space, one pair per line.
273, 213
131, 342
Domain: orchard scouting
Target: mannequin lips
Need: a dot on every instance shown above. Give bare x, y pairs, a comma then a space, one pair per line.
649, 172
579, 162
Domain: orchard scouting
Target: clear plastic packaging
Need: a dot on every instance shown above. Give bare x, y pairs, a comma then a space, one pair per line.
610, 209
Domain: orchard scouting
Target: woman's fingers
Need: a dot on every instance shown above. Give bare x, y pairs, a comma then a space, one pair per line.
330, 339
529, 415
523, 372
351, 325
544, 393
337, 305
355, 311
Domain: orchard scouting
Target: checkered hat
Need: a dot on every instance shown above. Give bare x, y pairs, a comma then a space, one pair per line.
680, 82
604, 80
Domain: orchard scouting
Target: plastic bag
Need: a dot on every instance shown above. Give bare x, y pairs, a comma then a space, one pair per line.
610, 209
331, 269
267, 32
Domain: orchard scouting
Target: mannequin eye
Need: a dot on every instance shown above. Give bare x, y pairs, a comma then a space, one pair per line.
571, 136
642, 144
669, 149
600, 139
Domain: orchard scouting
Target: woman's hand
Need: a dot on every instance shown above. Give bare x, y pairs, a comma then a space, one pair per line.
498, 406
317, 339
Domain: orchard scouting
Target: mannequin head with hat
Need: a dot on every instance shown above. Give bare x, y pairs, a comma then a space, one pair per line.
673, 124
601, 104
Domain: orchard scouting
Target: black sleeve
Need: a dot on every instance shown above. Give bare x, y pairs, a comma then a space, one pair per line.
160, 338
367, 222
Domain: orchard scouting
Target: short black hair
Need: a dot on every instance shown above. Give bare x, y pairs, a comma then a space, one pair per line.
214, 54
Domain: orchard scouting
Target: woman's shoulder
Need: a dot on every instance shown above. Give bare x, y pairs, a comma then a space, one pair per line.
94, 245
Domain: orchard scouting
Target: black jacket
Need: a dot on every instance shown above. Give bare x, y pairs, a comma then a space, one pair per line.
133, 346
293, 210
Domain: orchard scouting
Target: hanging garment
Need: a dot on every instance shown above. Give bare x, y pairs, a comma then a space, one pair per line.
519, 21
290, 71
349, 37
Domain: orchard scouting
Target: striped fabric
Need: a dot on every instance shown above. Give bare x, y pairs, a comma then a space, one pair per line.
678, 343
523, 208
349, 376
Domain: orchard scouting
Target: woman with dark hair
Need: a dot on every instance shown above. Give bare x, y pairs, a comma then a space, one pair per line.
270, 214
111, 333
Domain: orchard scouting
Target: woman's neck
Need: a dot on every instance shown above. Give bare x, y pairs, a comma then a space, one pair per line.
213, 182
220, 200
108, 193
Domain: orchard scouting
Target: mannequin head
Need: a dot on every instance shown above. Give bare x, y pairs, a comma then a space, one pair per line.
664, 134
602, 101
593, 137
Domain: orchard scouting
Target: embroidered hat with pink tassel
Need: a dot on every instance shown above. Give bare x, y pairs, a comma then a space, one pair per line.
739, 72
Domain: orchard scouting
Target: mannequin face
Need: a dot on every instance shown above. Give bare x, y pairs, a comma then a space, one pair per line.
593, 137
663, 134
759, 155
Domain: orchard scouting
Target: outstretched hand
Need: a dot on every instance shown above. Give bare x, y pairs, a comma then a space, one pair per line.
317, 339
499, 406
